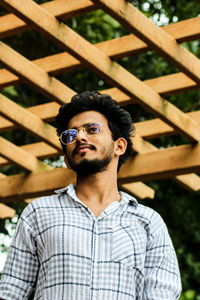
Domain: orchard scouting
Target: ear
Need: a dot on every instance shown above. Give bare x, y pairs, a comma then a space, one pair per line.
66, 162
120, 146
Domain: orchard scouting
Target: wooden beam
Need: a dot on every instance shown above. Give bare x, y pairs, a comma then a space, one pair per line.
138, 190
21, 157
17, 154
47, 112
34, 184
48, 85
182, 31
148, 129
29, 121
6, 211
172, 162
137, 23
63, 62
10, 24
41, 150
171, 84
161, 164
156, 128
189, 181
66, 38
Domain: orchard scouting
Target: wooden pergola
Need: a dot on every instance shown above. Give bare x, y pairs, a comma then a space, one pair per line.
180, 163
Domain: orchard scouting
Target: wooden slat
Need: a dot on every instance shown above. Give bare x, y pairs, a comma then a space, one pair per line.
156, 128
40, 150
28, 121
50, 86
190, 181
137, 23
34, 185
161, 164
165, 85
21, 157
142, 146
81, 49
149, 129
182, 31
6, 211
138, 190
47, 112
10, 24
17, 154
172, 162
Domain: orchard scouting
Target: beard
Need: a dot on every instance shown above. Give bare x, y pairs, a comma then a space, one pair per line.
89, 167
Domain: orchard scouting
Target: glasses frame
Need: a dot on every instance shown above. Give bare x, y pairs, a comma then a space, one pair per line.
78, 129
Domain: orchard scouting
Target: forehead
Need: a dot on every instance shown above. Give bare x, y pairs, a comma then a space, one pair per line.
87, 117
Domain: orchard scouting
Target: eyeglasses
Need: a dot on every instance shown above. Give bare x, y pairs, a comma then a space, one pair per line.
69, 136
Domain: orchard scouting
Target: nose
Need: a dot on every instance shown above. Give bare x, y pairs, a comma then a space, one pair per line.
81, 136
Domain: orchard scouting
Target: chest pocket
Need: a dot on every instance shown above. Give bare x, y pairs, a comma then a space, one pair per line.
128, 246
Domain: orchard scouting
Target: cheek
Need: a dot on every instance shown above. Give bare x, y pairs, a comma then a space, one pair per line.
69, 149
68, 154
108, 148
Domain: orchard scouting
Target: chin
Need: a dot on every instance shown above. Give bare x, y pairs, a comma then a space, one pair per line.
88, 167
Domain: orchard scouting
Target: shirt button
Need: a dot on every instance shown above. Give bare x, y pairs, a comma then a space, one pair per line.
110, 227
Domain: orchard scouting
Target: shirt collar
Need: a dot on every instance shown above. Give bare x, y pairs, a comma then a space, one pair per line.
125, 198
128, 199
63, 190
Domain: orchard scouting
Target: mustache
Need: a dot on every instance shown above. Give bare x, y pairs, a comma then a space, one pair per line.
90, 146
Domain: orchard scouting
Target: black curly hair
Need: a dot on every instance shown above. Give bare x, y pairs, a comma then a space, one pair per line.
119, 120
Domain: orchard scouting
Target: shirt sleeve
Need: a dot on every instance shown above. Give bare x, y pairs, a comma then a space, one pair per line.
21, 267
162, 276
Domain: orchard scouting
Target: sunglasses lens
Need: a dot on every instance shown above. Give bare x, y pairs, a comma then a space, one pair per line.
69, 136
93, 128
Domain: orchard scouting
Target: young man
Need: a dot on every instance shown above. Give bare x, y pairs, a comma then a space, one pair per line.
90, 241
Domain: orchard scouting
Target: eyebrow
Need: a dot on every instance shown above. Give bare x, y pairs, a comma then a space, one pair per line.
82, 125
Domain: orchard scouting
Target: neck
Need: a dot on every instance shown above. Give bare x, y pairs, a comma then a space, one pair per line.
100, 188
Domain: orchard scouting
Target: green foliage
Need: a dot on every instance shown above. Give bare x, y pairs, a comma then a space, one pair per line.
180, 210
190, 295
96, 26
178, 207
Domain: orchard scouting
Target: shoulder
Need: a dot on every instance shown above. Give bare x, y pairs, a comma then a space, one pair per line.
147, 217
43, 206
152, 217
42, 202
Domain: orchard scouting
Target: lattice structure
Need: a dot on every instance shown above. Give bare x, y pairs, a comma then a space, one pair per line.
181, 163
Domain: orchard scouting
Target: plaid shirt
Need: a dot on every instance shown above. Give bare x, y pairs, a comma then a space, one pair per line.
63, 252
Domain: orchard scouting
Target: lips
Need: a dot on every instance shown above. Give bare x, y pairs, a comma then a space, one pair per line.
83, 148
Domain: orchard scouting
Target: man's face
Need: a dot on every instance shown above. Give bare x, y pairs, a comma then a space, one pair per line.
90, 154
